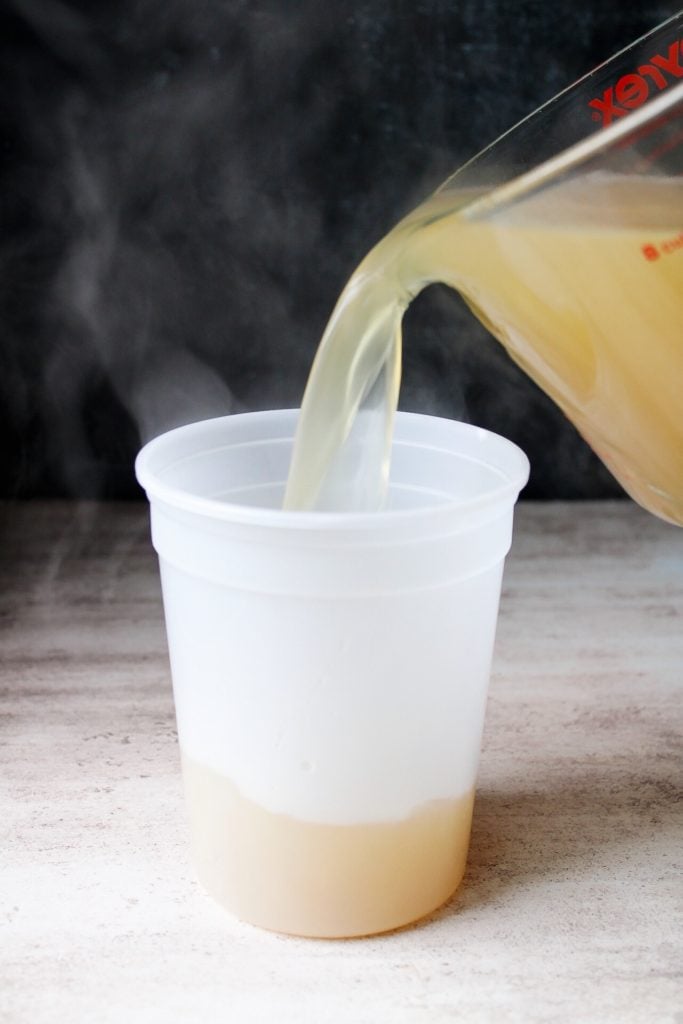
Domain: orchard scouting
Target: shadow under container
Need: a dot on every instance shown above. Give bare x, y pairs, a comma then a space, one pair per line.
330, 670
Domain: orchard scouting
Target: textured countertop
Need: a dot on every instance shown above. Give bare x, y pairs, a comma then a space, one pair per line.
571, 906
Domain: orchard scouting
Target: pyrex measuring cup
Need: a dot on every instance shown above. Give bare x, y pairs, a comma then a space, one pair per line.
566, 239
579, 272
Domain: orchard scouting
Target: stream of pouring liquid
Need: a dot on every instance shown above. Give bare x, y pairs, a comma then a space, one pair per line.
583, 284
341, 457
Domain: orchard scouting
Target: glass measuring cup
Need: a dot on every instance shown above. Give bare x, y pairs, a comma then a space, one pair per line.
584, 284
565, 238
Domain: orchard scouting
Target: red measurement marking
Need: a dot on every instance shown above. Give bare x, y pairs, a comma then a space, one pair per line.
673, 244
653, 252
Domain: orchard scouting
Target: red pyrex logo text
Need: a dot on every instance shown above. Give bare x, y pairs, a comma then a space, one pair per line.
631, 91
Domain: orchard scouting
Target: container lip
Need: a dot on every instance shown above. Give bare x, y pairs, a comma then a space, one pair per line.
150, 480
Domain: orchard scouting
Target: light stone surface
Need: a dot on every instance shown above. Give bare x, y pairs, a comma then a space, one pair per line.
571, 907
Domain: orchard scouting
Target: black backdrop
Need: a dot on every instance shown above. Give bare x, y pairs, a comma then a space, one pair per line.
186, 185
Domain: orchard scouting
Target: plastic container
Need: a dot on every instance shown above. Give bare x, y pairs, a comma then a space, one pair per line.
330, 669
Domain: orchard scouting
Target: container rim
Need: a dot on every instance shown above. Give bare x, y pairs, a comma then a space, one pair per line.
149, 473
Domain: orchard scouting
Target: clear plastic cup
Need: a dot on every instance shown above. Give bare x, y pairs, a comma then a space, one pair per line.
330, 670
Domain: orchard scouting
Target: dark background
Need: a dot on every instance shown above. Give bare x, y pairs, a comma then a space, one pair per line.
185, 187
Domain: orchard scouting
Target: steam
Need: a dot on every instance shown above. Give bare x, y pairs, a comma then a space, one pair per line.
188, 187
113, 291
171, 292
